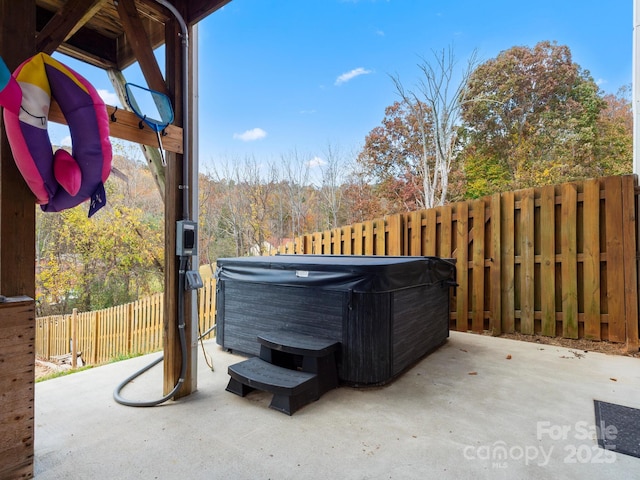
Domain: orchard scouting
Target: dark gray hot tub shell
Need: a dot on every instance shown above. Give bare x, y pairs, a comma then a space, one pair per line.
387, 312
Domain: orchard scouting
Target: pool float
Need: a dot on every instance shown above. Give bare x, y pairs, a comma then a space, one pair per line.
58, 180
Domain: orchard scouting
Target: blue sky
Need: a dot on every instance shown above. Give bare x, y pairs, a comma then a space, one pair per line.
278, 76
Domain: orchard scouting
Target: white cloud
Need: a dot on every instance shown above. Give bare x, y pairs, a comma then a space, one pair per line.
600, 81
110, 98
66, 141
250, 135
316, 162
356, 72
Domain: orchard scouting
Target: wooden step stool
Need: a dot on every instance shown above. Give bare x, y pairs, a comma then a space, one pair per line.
298, 369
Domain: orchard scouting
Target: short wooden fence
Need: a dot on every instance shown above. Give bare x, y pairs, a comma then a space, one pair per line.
122, 331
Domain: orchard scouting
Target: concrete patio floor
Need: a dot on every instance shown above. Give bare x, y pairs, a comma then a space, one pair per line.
447, 417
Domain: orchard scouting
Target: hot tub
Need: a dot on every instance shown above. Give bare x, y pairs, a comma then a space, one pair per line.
386, 312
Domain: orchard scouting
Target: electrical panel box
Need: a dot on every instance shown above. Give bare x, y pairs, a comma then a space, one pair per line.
186, 238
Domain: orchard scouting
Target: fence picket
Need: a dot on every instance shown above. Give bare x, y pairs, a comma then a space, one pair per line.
630, 245
477, 290
429, 240
415, 237
346, 240
547, 226
446, 222
368, 238
591, 259
527, 261
495, 317
568, 246
462, 267
394, 237
615, 259
508, 263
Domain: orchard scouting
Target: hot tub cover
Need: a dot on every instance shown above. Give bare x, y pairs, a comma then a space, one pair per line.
373, 274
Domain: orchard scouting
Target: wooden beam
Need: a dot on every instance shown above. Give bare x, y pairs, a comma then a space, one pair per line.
85, 45
17, 203
127, 127
66, 21
140, 44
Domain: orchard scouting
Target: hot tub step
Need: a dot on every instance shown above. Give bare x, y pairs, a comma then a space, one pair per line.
308, 353
297, 343
292, 389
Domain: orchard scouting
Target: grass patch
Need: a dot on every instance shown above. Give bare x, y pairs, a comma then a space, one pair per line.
62, 373
125, 356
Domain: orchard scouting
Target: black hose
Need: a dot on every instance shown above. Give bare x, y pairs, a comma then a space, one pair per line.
183, 347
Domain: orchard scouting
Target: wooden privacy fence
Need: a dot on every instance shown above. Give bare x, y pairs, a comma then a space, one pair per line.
559, 260
125, 330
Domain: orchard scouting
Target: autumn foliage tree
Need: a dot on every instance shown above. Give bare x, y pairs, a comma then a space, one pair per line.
615, 133
534, 120
393, 154
112, 258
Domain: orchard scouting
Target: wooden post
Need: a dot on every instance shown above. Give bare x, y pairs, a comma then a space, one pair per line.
569, 268
17, 360
462, 266
629, 225
527, 262
17, 203
74, 338
477, 263
496, 265
173, 212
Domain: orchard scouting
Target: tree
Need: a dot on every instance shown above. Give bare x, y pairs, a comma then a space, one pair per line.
436, 107
411, 155
615, 138
359, 198
109, 259
531, 118
331, 192
297, 191
393, 158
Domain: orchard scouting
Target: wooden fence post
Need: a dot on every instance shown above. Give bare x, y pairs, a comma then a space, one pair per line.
496, 266
358, 236
128, 328
615, 259
394, 243
527, 261
74, 338
590, 262
569, 266
48, 349
96, 338
507, 239
629, 229
477, 265
548, 258
462, 266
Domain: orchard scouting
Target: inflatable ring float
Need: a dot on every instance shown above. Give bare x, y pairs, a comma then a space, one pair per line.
58, 180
